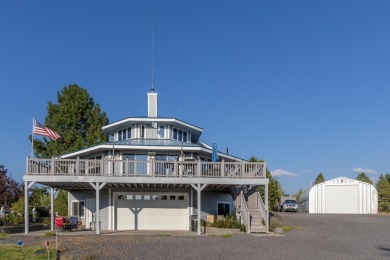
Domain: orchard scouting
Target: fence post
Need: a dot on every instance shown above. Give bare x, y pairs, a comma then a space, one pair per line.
223, 168
175, 168
52, 165
199, 168
102, 166
78, 166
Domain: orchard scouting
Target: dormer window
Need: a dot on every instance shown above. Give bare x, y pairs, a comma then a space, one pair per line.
180, 135
124, 134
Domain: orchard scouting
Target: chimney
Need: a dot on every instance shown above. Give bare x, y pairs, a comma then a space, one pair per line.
152, 103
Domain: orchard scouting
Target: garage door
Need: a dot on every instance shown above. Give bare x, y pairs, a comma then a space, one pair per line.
342, 199
152, 212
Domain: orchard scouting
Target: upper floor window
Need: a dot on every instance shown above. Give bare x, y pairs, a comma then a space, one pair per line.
120, 135
142, 133
180, 135
161, 131
129, 133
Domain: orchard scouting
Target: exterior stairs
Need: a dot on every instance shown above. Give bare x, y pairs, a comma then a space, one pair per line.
257, 225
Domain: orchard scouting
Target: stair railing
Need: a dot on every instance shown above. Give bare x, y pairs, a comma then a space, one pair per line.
245, 212
264, 211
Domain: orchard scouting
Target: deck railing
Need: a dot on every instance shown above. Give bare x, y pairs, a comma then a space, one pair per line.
109, 167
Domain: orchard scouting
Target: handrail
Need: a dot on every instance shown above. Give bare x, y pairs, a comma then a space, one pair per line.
245, 211
263, 210
113, 167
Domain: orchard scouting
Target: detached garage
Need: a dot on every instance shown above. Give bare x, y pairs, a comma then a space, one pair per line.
341, 195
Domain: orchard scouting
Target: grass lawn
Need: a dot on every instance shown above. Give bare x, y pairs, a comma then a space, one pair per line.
32, 252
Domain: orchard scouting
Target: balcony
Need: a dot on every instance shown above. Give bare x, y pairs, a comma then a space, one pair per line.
151, 168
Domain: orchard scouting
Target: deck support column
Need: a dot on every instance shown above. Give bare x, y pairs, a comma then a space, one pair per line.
97, 188
27, 186
199, 189
52, 192
266, 206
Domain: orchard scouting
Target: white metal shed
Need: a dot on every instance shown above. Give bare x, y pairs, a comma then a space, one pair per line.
341, 195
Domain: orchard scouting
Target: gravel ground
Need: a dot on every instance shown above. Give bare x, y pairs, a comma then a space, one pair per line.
312, 237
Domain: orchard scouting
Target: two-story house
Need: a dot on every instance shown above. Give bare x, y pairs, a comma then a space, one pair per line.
154, 173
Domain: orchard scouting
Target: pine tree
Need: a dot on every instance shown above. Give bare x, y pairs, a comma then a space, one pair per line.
76, 118
61, 203
383, 188
363, 177
320, 179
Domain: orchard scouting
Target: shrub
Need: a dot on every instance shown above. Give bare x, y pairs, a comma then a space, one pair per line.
229, 221
273, 224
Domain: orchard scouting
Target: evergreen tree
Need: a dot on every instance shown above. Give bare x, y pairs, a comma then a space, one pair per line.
10, 190
39, 197
298, 194
383, 188
320, 179
61, 203
76, 118
387, 176
363, 177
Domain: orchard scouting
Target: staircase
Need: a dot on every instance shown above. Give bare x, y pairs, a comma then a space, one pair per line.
252, 210
256, 223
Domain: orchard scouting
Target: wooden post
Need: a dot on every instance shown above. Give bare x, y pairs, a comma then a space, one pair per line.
26, 223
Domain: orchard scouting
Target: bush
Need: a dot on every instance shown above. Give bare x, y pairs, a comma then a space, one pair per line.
230, 221
273, 224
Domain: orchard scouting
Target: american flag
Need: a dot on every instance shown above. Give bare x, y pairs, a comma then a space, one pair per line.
45, 131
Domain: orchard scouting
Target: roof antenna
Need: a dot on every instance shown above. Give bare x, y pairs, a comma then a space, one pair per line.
152, 89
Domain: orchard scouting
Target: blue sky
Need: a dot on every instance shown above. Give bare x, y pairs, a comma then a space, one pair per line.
304, 85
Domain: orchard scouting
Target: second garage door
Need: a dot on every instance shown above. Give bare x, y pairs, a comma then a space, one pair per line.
342, 199
152, 212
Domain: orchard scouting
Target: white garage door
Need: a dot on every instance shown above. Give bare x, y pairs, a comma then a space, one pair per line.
152, 212
342, 199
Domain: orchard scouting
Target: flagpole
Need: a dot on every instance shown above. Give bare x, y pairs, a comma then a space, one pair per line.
32, 139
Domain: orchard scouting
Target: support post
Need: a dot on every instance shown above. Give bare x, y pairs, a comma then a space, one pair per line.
199, 189
97, 188
26, 207
52, 209
266, 206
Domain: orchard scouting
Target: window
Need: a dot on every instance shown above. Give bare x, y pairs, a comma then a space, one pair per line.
124, 134
223, 208
142, 134
130, 197
119, 135
174, 134
172, 197
180, 197
78, 209
129, 133
180, 136
185, 137
164, 197
161, 132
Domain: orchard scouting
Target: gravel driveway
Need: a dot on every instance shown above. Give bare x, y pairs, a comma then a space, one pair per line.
312, 237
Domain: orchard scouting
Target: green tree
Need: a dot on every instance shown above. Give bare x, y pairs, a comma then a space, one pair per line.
364, 178
274, 189
383, 188
76, 118
39, 197
320, 179
61, 203
298, 194
10, 190
387, 176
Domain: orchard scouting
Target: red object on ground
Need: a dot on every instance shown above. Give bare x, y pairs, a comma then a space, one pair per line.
59, 221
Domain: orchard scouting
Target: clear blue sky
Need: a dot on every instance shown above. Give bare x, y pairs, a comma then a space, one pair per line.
304, 85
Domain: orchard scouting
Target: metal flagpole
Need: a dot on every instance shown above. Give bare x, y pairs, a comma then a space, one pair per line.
32, 139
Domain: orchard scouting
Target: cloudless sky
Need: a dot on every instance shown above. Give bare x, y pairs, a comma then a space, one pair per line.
304, 85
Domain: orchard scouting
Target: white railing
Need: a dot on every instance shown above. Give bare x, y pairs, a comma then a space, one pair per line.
245, 212
110, 167
263, 210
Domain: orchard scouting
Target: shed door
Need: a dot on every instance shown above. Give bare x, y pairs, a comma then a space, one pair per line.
152, 212
342, 199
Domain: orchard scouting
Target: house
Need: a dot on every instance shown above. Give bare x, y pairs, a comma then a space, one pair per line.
154, 173
341, 195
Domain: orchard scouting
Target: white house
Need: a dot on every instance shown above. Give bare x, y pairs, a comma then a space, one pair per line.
154, 173
341, 195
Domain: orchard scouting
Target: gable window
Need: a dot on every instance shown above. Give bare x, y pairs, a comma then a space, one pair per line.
223, 208
78, 208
